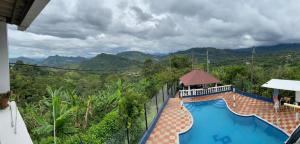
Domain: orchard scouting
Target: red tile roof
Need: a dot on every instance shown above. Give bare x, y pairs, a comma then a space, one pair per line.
197, 77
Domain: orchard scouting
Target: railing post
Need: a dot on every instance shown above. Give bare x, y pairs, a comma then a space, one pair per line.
11, 117
174, 91
127, 132
16, 118
146, 122
163, 93
171, 88
156, 103
167, 88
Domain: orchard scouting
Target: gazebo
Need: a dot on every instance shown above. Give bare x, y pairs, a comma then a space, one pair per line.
198, 82
198, 79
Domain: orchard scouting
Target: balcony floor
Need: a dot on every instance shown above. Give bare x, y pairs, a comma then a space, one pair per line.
174, 120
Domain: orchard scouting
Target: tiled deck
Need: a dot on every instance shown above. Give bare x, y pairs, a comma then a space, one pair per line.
174, 120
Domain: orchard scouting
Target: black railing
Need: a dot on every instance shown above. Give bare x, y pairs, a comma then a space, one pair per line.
140, 131
154, 107
252, 95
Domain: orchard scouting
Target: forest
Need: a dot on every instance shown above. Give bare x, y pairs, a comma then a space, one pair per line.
99, 107
88, 107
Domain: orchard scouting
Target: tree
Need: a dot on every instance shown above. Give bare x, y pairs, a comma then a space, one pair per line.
181, 62
148, 68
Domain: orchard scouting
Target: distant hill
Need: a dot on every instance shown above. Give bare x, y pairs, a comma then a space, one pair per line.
216, 56
62, 61
108, 62
53, 61
26, 60
136, 55
265, 55
268, 55
261, 50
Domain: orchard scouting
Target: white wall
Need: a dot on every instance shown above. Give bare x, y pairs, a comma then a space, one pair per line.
4, 66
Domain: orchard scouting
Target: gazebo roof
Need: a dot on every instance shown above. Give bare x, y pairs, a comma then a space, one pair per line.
198, 77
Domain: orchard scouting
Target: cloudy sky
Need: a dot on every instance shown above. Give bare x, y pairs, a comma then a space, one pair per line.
89, 27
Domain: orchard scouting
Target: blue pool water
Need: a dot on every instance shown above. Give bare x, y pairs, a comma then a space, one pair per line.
214, 123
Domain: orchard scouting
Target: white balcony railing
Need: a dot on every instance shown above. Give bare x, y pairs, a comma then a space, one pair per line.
12, 126
204, 91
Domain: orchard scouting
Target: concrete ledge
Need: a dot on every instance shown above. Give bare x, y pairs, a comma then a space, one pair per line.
12, 126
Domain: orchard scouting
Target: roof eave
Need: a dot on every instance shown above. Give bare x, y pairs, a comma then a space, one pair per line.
201, 83
35, 9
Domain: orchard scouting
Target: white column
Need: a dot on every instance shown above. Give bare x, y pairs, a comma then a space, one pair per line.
189, 88
4, 65
297, 97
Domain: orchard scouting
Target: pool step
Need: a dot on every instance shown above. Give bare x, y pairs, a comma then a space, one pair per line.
219, 104
191, 107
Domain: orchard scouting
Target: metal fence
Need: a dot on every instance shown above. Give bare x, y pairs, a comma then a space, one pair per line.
141, 130
143, 126
154, 107
252, 95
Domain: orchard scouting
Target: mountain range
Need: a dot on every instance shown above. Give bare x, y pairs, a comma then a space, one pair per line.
108, 62
280, 53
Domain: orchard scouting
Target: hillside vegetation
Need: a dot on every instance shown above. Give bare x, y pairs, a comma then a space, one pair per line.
99, 108
264, 55
107, 62
137, 56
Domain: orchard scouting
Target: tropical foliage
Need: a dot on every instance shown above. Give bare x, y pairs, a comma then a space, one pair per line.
96, 107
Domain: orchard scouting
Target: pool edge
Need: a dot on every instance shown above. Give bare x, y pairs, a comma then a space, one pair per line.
256, 117
188, 128
242, 115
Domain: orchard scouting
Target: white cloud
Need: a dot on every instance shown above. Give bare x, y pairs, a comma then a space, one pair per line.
86, 28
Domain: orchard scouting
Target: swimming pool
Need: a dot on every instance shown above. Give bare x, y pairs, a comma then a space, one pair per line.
214, 123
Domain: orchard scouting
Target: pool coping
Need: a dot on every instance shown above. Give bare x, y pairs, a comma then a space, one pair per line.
188, 128
242, 115
250, 115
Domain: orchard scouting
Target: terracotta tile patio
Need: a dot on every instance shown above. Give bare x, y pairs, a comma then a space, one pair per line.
174, 120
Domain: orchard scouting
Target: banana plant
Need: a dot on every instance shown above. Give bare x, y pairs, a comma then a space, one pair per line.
62, 113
